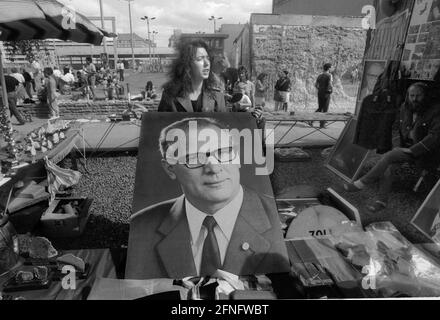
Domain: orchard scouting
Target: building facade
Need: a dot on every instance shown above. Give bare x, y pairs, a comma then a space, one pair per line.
216, 41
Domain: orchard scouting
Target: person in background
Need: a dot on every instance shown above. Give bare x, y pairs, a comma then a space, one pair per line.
192, 86
244, 85
150, 93
12, 85
57, 72
324, 85
37, 75
420, 144
66, 80
27, 82
90, 70
15, 74
121, 70
50, 83
21, 92
354, 75
282, 89
261, 90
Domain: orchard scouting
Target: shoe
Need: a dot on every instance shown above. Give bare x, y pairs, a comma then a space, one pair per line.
376, 206
350, 187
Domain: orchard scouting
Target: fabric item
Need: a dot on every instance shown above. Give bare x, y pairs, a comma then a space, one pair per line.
121, 75
283, 84
58, 177
18, 76
324, 83
68, 77
27, 76
284, 96
375, 123
211, 260
212, 102
11, 83
159, 244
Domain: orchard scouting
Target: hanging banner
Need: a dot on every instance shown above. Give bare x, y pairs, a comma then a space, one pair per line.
421, 56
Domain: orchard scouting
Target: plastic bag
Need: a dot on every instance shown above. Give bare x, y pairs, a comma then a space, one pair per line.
391, 264
58, 177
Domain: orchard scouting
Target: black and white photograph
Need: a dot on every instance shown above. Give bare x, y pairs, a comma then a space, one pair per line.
219, 150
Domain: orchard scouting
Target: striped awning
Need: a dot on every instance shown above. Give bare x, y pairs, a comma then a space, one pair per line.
46, 19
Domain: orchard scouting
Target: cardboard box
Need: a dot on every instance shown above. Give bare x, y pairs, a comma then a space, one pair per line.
65, 225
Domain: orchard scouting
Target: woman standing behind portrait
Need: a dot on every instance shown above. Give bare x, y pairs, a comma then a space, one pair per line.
192, 85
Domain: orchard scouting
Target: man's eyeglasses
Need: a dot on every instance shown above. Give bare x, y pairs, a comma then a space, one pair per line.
197, 160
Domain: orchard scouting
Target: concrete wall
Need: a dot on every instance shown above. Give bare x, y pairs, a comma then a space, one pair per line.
320, 7
302, 44
233, 30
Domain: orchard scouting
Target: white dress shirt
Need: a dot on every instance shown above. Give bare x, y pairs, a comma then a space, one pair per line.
225, 219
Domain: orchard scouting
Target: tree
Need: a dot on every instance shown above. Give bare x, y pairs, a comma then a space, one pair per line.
31, 49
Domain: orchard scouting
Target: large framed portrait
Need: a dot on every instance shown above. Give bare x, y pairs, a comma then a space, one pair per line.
347, 159
427, 218
371, 71
153, 185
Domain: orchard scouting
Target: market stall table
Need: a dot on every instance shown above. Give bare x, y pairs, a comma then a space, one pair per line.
292, 120
36, 164
101, 266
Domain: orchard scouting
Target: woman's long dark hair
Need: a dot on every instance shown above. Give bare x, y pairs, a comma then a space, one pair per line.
180, 84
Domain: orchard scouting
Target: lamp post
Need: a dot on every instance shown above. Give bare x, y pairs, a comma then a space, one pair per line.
154, 43
148, 30
102, 25
213, 19
131, 33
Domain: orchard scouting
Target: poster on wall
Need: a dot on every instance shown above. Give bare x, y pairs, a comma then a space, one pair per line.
372, 69
388, 36
421, 56
427, 218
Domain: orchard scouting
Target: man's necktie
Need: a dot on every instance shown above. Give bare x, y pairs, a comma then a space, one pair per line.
211, 260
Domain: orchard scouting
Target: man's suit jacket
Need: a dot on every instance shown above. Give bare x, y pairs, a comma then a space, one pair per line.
210, 103
159, 243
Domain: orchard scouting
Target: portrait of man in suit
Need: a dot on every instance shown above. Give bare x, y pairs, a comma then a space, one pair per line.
217, 223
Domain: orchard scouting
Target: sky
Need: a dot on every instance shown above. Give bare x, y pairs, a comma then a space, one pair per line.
187, 15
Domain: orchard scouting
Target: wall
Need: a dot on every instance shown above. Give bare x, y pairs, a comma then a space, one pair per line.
320, 7
233, 30
301, 45
92, 110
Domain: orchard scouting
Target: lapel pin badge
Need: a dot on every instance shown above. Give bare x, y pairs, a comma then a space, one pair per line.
245, 246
